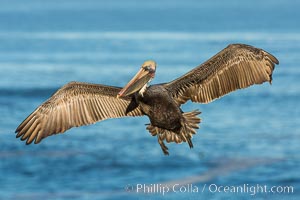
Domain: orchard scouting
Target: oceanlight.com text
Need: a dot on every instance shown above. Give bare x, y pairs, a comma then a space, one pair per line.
251, 189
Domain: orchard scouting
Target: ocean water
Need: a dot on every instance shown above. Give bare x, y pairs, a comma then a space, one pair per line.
248, 139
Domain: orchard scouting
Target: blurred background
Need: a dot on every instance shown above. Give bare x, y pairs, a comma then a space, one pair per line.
248, 137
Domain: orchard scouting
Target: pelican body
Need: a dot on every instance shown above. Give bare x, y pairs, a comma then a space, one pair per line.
75, 104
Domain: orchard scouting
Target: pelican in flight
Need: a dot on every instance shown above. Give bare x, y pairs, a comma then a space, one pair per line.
76, 104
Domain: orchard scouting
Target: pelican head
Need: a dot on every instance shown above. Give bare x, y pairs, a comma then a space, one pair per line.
140, 80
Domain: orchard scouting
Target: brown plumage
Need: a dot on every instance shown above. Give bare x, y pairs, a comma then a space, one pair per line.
235, 67
76, 104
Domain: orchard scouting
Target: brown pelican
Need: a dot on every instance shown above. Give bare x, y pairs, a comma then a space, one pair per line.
77, 104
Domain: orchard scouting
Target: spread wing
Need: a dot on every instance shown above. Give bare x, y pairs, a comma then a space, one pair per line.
235, 67
75, 104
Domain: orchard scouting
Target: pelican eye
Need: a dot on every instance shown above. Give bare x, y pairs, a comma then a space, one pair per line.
149, 69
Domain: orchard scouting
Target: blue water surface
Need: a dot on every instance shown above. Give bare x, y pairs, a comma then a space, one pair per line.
249, 138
